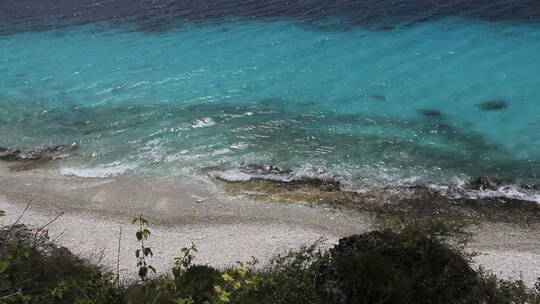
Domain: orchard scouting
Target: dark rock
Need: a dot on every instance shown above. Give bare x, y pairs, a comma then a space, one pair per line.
323, 185
308, 104
483, 183
262, 169
13, 155
30, 165
259, 171
422, 202
430, 113
10, 155
378, 96
33, 158
494, 105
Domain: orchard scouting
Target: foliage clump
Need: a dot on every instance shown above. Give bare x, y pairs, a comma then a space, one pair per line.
410, 263
390, 267
31, 272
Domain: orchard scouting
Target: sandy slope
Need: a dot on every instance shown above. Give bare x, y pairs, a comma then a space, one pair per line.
224, 229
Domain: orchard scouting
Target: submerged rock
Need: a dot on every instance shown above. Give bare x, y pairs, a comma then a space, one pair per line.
308, 104
13, 155
430, 113
322, 185
483, 183
494, 105
282, 178
259, 171
378, 96
263, 169
32, 158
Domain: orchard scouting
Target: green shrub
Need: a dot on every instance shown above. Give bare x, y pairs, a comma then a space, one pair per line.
414, 262
406, 267
54, 277
295, 277
198, 282
508, 292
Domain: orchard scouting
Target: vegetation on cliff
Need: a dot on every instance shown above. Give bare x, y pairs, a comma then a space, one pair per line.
416, 262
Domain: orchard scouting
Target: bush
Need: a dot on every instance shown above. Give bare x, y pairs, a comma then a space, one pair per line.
508, 292
295, 277
58, 276
406, 267
198, 282
417, 262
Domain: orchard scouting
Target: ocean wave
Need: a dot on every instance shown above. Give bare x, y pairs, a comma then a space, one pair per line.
248, 172
483, 188
101, 171
458, 188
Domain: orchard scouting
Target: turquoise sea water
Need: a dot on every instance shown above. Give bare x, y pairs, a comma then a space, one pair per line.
441, 101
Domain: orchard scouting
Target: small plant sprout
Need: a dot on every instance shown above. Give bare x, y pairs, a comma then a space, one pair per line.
143, 252
184, 262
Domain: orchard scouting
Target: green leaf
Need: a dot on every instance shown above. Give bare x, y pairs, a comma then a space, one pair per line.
146, 233
148, 251
2, 213
142, 272
4, 266
224, 296
152, 268
139, 235
138, 253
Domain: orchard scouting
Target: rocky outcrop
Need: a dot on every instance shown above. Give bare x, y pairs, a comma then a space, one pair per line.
32, 158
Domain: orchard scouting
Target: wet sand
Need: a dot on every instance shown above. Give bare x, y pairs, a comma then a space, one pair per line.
225, 229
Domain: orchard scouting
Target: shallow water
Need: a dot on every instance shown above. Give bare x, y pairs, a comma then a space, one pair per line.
371, 94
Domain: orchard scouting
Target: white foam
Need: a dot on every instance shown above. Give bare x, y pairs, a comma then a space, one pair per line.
459, 189
205, 122
305, 172
237, 175
100, 171
456, 189
507, 191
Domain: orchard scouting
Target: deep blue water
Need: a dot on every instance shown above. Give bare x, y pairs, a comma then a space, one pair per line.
369, 92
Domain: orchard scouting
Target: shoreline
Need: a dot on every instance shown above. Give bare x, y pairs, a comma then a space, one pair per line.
224, 229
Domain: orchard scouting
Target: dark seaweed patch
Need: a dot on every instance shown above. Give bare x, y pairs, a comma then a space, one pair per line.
430, 113
378, 97
494, 105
